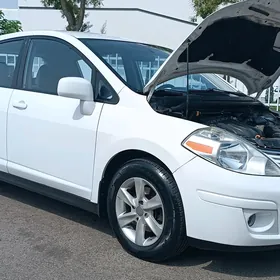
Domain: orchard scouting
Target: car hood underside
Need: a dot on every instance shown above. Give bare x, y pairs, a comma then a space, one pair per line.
241, 40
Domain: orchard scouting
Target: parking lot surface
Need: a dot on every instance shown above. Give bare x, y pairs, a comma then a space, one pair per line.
44, 239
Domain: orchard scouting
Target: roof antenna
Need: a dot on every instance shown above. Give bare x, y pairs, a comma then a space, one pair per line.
188, 70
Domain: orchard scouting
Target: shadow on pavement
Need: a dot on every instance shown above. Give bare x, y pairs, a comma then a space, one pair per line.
256, 264
58, 208
253, 264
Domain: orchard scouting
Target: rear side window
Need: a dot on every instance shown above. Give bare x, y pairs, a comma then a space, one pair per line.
9, 54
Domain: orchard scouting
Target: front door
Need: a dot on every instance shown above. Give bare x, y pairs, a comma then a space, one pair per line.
49, 140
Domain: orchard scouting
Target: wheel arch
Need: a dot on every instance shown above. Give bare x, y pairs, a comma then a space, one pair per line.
113, 165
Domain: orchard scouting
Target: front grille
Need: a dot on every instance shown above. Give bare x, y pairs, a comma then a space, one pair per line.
275, 156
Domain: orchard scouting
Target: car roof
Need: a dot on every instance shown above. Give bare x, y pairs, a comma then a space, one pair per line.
63, 33
89, 35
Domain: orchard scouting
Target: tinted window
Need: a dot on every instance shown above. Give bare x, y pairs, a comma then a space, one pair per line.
196, 82
148, 68
85, 70
48, 61
9, 53
136, 64
128, 60
116, 62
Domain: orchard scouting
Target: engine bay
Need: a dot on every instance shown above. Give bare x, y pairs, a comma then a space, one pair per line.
235, 112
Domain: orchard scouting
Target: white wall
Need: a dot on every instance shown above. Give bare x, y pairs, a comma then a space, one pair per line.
12, 14
182, 9
129, 24
135, 25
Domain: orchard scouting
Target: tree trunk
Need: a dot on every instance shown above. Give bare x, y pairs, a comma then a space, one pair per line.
81, 16
69, 16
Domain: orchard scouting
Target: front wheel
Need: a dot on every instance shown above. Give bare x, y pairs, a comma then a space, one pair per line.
146, 211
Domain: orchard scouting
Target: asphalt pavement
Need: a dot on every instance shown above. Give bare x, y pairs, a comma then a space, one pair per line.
44, 239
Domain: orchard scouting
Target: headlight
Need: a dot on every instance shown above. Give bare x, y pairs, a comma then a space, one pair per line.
230, 152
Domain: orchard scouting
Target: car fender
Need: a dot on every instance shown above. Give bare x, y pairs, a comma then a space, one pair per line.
133, 125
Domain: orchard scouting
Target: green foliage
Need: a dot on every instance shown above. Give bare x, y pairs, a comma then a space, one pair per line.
8, 26
73, 11
204, 8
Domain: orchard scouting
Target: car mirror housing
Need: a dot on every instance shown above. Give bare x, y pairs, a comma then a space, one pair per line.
78, 88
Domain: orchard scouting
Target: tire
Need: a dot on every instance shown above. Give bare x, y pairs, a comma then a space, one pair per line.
170, 219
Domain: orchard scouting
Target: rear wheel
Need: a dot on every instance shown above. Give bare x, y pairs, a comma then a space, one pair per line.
146, 211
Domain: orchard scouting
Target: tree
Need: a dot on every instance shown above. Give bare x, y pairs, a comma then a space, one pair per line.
204, 8
8, 26
74, 12
103, 29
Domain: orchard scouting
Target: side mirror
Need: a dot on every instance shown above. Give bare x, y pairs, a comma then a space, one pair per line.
78, 88
74, 87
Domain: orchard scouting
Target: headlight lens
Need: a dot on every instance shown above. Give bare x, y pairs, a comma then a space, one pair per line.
230, 152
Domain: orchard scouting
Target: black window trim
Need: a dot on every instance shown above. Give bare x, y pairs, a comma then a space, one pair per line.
20, 56
95, 71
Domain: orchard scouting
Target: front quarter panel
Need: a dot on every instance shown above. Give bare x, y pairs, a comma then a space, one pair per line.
133, 125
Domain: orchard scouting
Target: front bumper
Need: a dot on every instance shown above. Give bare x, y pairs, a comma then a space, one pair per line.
229, 208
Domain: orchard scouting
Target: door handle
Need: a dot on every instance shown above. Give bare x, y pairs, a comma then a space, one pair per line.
19, 104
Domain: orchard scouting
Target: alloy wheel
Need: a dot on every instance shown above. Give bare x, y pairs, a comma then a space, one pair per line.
140, 211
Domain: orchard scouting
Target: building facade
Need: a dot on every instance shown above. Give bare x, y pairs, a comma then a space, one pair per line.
155, 22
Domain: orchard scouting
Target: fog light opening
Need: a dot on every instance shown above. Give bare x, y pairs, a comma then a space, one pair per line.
252, 220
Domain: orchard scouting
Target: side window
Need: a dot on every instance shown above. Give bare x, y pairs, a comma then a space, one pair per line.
48, 61
9, 53
37, 63
85, 70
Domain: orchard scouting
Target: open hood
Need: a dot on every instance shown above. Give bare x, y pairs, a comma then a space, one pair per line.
241, 40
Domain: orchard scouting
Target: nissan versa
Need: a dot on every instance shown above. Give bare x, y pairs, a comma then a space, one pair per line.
154, 139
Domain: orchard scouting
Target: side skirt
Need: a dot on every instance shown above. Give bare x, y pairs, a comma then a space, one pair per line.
50, 192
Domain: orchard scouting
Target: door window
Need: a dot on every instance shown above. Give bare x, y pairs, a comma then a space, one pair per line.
48, 61
85, 70
9, 53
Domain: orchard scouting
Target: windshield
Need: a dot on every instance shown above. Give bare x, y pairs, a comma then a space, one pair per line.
136, 63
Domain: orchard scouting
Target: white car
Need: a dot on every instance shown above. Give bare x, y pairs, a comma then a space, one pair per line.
171, 165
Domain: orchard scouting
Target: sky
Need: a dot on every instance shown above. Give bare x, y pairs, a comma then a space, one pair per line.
8, 4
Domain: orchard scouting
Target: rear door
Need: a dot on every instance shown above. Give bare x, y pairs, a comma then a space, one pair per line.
9, 57
49, 140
